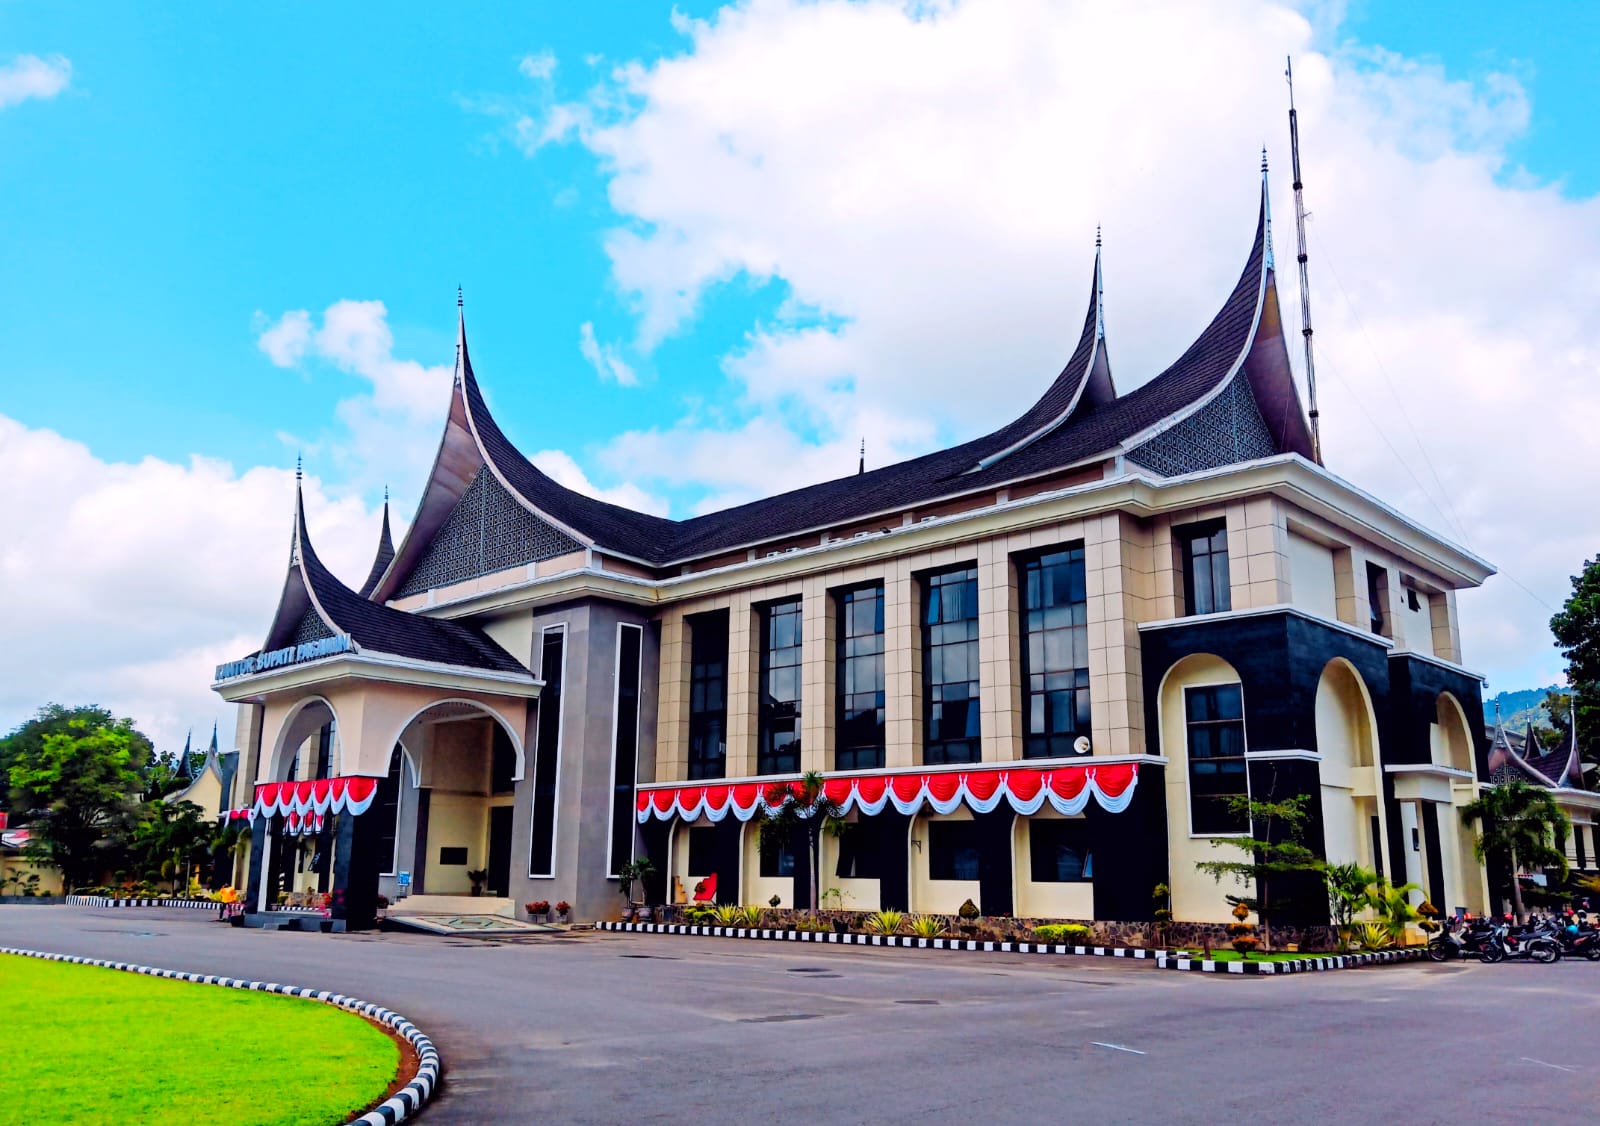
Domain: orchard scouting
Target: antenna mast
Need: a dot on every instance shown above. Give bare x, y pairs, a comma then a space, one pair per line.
1305, 284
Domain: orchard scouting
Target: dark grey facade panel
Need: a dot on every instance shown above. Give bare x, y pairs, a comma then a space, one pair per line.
1225, 431
488, 530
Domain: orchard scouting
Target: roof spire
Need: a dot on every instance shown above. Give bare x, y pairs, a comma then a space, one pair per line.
1305, 284
1266, 208
299, 468
861, 466
1099, 291
461, 334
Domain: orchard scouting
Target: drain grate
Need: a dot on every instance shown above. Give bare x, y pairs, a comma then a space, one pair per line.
779, 1018
811, 970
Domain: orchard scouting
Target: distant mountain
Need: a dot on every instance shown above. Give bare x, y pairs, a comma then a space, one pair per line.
1519, 708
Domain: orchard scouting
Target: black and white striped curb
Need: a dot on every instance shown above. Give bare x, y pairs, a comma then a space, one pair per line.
403, 1105
138, 901
1163, 959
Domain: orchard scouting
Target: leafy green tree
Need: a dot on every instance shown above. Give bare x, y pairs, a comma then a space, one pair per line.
802, 807
57, 719
1519, 826
1274, 850
1349, 893
80, 787
170, 837
1577, 634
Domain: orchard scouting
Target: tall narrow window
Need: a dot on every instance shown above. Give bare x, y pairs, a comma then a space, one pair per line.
1377, 596
547, 756
503, 764
950, 667
1055, 653
387, 811
860, 679
1205, 568
779, 749
625, 760
325, 752
1215, 718
708, 695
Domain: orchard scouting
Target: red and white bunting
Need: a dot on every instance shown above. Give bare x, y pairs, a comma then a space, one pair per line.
351, 795
1068, 789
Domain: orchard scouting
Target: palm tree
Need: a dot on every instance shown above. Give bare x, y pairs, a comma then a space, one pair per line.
791, 806
1519, 821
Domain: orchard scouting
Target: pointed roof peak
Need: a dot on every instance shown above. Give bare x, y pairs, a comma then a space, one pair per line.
1099, 291
213, 736
385, 553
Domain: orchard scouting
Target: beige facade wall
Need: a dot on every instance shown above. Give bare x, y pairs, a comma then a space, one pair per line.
936, 897
1196, 898
754, 888
1311, 576
1044, 900
1347, 739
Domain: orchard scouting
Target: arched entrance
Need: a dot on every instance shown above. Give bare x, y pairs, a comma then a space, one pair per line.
1347, 740
468, 758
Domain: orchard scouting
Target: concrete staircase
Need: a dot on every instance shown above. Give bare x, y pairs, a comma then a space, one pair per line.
454, 905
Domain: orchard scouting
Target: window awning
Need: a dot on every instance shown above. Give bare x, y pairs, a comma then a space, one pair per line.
1067, 789
350, 795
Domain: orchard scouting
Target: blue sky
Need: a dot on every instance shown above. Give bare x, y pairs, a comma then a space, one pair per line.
198, 178
199, 171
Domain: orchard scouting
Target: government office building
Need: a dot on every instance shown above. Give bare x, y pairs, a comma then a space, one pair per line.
1033, 667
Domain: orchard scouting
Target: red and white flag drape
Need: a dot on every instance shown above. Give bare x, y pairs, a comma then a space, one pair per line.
300, 800
1068, 790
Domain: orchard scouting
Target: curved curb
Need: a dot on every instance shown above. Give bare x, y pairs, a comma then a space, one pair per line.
1162, 958
139, 901
403, 1105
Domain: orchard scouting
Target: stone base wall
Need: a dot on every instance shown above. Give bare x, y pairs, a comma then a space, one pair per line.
1008, 929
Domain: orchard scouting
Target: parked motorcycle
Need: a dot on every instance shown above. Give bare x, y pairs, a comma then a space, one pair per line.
1537, 943
1577, 939
1460, 940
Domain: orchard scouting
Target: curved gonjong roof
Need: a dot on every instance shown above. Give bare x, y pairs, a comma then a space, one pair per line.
1229, 398
315, 604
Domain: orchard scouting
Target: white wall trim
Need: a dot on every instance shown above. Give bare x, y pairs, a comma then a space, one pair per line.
1264, 611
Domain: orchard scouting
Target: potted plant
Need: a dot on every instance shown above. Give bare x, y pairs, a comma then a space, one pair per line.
538, 910
477, 876
634, 873
563, 911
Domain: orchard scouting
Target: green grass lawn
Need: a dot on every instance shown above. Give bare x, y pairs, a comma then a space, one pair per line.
1233, 956
93, 1045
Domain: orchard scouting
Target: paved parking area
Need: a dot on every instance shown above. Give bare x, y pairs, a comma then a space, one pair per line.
606, 1028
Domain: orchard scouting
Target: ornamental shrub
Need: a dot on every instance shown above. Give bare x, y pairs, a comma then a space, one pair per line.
1062, 932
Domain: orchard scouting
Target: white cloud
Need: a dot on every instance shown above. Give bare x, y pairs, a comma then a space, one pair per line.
389, 430
935, 199
125, 584
563, 470
606, 359
286, 340
29, 76
540, 65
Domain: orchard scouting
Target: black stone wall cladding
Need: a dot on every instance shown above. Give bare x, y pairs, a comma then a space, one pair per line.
403, 1105
1279, 658
1161, 959
1415, 685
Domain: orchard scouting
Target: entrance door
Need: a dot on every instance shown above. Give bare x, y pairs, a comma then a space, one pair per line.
499, 880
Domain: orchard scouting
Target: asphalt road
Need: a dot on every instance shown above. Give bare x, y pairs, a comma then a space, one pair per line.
607, 1028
